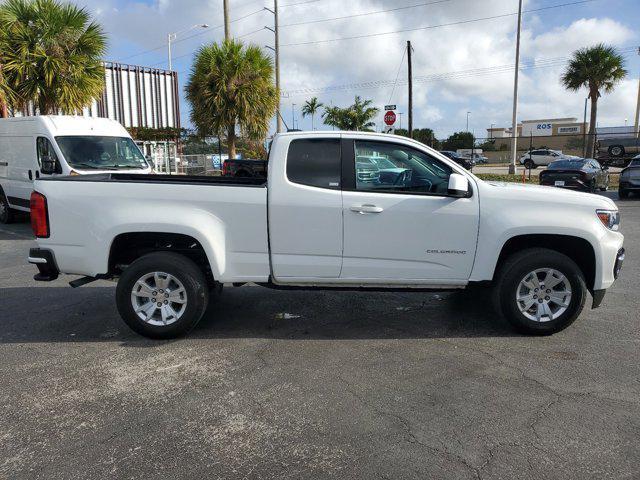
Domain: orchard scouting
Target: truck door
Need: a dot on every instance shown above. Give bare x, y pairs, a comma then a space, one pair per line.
305, 208
400, 226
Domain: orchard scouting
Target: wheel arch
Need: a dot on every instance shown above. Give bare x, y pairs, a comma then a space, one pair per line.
576, 248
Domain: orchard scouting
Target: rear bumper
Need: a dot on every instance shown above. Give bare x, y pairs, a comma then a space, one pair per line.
570, 184
46, 263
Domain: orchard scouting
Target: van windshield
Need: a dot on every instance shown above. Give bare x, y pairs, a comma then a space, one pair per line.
101, 153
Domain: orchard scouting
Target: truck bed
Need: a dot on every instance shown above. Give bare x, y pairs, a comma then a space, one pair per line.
227, 216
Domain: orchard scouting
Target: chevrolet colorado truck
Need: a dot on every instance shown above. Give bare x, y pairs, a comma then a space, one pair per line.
170, 241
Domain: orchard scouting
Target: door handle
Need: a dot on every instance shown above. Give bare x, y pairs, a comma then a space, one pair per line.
365, 209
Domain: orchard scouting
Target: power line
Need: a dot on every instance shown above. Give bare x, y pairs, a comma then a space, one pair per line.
404, 52
365, 13
454, 75
299, 3
460, 22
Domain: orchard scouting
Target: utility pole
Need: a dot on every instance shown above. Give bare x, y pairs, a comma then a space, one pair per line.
637, 124
468, 113
276, 51
293, 116
514, 119
409, 73
227, 31
584, 129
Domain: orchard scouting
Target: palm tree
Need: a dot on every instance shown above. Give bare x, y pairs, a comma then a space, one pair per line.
50, 54
311, 107
597, 68
358, 116
232, 84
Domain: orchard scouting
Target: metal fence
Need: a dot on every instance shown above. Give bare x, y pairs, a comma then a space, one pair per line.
608, 148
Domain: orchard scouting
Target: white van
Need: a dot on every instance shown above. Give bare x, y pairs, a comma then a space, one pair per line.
42, 146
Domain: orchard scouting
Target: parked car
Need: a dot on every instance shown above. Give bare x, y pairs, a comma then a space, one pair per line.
464, 162
478, 158
379, 170
43, 146
630, 178
169, 240
537, 158
584, 174
618, 146
244, 168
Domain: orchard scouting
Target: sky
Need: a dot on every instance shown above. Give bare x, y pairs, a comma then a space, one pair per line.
463, 53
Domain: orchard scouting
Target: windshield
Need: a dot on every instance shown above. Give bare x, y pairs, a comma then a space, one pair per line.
101, 153
566, 164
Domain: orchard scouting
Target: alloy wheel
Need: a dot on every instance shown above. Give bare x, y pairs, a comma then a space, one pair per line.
159, 298
543, 295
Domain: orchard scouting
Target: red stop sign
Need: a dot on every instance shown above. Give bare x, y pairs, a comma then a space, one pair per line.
390, 118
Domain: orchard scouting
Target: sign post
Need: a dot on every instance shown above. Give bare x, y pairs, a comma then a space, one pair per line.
389, 120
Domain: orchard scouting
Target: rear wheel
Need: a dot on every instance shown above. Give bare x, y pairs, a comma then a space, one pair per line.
162, 295
6, 212
540, 291
616, 150
530, 164
623, 193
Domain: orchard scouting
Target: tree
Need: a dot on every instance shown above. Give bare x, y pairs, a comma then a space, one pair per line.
358, 116
50, 54
423, 135
458, 140
311, 107
232, 84
598, 69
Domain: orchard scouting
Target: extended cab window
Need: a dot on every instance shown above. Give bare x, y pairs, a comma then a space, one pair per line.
315, 162
386, 167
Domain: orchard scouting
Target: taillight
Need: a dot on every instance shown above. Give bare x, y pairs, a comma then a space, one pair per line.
39, 215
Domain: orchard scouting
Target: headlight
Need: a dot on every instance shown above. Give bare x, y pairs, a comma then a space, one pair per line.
609, 218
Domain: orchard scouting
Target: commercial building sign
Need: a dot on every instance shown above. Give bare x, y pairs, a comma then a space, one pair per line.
568, 130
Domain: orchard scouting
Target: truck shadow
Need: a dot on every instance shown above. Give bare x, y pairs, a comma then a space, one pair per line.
60, 314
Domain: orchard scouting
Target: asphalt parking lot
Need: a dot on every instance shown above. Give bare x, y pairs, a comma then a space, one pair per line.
276, 384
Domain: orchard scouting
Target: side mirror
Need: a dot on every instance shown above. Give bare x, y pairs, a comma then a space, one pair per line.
458, 186
48, 165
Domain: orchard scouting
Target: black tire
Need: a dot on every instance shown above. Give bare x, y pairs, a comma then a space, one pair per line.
180, 267
623, 193
616, 151
530, 165
7, 215
514, 270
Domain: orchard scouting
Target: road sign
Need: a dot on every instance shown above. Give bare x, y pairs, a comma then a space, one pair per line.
390, 107
389, 130
390, 117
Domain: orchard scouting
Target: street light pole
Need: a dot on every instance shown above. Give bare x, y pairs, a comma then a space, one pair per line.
637, 124
468, 113
293, 116
276, 51
514, 119
584, 129
172, 36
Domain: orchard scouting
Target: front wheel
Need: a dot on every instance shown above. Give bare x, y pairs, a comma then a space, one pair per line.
540, 291
162, 295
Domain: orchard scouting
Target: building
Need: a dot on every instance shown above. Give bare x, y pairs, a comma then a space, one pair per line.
138, 97
541, 128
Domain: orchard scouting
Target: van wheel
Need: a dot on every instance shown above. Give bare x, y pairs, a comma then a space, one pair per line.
162, 295
6, 212
540, 291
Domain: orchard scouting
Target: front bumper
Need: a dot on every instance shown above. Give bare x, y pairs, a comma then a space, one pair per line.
46, 263
598, 295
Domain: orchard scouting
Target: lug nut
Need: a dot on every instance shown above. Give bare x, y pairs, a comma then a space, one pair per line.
166, 295
155, 293
159, 304
540, 300
547, 298
535, 289
548, 291
166, 302
161, 291
535, 296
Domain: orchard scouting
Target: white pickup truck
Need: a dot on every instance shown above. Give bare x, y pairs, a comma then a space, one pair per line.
326, 220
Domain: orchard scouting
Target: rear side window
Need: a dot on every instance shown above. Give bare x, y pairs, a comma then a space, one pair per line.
315, 162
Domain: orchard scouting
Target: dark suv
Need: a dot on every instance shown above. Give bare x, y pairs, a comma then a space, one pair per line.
459, 159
